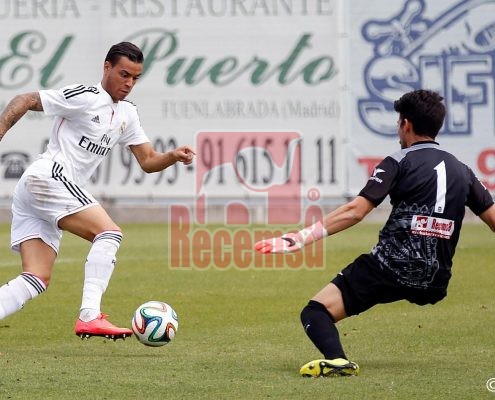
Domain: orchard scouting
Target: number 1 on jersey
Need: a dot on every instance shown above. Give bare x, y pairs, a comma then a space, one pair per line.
441, 187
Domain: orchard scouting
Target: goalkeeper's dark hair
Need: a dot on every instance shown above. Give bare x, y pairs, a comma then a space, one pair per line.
424, 109
124, 49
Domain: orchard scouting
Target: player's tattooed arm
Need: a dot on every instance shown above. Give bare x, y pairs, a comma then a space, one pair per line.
16, 108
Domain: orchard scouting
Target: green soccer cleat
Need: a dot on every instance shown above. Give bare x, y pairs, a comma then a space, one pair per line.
335, 367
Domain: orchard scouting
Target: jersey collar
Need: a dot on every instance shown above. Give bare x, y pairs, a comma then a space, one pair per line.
105, 94
425, 142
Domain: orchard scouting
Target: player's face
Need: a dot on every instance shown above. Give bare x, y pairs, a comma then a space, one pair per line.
119, 79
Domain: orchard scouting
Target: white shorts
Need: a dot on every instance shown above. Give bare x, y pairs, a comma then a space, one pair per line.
42, 197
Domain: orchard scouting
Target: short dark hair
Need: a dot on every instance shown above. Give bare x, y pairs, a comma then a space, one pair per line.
124, 49
424, 109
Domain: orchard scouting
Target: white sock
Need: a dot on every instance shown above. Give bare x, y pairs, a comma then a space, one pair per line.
97, 272
14, 294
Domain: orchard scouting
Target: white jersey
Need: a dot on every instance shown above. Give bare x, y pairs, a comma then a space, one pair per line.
87, 125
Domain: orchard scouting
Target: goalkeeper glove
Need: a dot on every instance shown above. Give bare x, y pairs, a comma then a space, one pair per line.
291, 242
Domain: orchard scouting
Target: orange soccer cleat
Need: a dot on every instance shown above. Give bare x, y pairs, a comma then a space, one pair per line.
100, 326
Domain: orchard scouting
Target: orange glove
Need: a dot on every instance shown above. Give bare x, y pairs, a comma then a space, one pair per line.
291, 242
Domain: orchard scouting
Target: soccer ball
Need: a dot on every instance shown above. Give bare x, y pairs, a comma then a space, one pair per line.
154, 323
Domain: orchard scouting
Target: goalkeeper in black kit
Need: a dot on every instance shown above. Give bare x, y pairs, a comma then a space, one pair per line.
429, 190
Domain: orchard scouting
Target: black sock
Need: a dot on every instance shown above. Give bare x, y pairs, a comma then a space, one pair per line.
319, 325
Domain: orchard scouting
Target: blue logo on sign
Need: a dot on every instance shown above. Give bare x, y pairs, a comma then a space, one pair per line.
452, 54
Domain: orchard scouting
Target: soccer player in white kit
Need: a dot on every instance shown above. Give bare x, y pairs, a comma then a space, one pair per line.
50, 196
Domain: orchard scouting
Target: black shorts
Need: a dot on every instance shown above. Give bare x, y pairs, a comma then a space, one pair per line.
364, 284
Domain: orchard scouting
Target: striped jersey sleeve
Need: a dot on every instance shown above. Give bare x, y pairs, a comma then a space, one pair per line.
67, 101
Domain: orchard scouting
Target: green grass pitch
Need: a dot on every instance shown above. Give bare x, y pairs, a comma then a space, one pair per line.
240, 336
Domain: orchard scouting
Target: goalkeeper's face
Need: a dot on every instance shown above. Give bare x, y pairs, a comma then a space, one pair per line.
400, 131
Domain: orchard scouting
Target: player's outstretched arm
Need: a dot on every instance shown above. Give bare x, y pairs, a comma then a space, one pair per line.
154, 161
16, 108
342, 218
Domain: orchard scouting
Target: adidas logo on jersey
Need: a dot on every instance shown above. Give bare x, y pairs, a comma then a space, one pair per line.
96, 119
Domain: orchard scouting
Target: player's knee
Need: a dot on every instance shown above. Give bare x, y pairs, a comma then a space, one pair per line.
312, 309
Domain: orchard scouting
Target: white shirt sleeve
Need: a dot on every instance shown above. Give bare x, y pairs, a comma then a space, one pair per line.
133, 133
64, 102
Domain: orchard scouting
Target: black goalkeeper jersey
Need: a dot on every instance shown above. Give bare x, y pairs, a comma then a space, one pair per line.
429, 190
